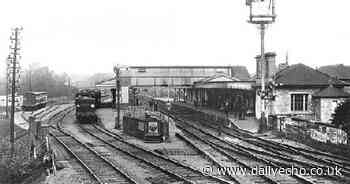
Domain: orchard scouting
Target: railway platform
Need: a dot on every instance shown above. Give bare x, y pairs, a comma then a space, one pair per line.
249, 124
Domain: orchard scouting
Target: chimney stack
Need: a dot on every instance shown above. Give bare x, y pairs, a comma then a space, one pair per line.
269, 67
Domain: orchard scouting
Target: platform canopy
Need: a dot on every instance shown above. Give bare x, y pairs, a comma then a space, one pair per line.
111, 83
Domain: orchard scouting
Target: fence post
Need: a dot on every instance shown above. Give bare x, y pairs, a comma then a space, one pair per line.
32, 127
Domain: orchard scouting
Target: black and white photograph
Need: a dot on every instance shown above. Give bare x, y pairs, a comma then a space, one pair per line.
174, 92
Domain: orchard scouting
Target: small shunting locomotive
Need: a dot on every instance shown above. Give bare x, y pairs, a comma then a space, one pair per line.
86, 102
34, 100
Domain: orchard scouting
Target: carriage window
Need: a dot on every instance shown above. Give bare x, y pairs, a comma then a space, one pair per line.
141, 70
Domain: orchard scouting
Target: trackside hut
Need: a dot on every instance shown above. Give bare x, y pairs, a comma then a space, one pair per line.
297, 90
326, 102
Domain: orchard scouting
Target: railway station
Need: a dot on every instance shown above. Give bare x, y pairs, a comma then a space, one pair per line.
176, 95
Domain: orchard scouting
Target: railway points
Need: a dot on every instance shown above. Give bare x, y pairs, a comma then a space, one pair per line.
184, 172
261, 155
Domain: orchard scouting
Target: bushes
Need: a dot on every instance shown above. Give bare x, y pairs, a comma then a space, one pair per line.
15, 168
341, 116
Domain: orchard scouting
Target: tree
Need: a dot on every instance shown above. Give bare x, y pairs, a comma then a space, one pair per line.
341, 116
41, 78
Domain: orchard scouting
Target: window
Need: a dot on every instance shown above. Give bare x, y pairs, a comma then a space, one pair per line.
299, 102
141, 70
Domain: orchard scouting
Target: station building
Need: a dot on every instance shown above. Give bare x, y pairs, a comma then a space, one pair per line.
161, 81
298, 90
215, 91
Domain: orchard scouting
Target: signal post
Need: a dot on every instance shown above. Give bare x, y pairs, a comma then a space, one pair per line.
262, 13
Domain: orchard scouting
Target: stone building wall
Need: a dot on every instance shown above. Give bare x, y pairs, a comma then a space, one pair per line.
282, 102
317, 105
281, 105
328, 106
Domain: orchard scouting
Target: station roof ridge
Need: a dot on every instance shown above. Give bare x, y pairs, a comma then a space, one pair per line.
179, 66
218, 76
303, 75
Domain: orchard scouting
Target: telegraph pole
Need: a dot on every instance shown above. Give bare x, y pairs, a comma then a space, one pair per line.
13, 61
268, 17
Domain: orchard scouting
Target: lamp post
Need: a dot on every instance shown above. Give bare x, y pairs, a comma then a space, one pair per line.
262, 13
117, 84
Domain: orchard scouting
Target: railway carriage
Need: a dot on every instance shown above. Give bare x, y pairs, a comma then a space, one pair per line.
34, 100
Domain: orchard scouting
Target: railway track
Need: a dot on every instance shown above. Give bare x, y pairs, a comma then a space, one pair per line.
273, 157
298, 159
224, 160
159, 175
316, 155
182, 172
101, 169
271, 146
244, 158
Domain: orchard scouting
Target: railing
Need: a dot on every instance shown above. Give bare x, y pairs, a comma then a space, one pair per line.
302, 132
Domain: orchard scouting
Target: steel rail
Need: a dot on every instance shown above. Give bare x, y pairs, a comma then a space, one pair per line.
244, 153
187, 140
136, 157
159, 157
261, 143
242, 150
79, 160
100, 157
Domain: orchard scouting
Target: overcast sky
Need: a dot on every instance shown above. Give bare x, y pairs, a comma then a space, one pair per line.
91, 36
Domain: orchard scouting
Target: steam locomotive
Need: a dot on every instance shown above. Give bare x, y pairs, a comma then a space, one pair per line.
86, 103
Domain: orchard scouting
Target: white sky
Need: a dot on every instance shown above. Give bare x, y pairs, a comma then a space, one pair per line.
82, 36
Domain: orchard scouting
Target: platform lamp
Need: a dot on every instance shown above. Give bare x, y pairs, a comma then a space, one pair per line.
262, 13
117, 85
117, 70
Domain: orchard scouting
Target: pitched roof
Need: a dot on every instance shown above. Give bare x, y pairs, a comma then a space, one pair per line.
331, 92
340, 71
302, 75
217, 78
